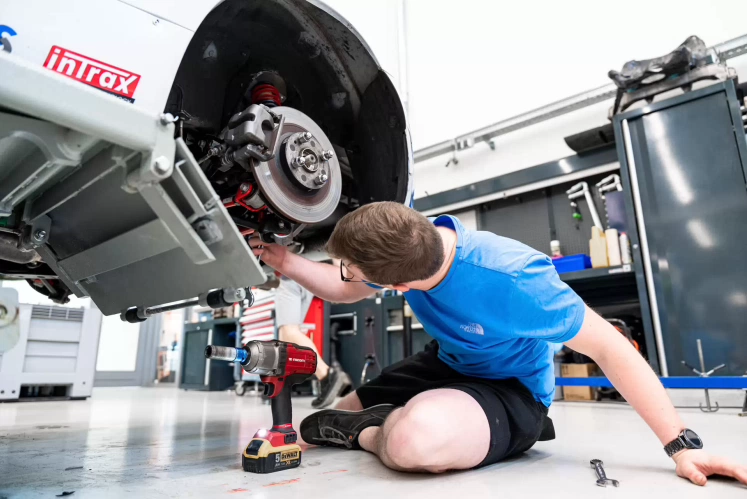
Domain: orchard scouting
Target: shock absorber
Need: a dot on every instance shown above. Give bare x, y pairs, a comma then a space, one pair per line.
267, 94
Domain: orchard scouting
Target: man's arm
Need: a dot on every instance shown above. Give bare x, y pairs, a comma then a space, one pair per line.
322, 279
635, 380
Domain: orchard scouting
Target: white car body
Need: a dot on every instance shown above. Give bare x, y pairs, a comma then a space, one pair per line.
149, 57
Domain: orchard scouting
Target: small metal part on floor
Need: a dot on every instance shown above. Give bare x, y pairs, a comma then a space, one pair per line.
602, 479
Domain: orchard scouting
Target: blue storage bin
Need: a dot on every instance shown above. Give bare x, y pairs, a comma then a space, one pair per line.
572, 263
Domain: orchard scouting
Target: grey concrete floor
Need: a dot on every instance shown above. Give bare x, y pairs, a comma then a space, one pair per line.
163, 442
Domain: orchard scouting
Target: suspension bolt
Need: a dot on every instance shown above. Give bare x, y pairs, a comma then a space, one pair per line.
161, 165
327, 155
244, 187
281, 224
39, 235
299, 162
321, 179
305, 137
166, 118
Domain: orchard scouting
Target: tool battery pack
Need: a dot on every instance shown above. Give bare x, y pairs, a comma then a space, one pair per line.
261, 457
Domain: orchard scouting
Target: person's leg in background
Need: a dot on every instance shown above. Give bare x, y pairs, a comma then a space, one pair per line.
292, 303
349, 402
292, 333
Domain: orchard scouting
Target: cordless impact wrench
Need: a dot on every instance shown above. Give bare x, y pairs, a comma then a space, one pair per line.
280, 365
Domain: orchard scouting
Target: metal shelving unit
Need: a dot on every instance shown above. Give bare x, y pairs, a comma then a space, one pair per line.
197, 372
613, 293
228, 320
608, 272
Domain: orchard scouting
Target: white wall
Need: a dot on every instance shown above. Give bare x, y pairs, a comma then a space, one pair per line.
474, 62
117, 345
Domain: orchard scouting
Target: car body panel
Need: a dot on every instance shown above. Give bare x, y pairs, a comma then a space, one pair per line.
138, 53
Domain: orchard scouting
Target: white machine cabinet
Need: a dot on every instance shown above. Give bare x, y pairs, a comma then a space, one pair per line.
55, 354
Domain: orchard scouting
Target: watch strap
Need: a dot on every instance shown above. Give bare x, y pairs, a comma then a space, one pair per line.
674, 446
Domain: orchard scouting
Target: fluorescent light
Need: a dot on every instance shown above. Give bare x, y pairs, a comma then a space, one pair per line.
701, 234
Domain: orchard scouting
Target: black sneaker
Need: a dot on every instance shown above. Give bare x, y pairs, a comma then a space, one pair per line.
335, 384
341, 428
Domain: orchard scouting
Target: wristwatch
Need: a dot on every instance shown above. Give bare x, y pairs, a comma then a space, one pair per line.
687, 439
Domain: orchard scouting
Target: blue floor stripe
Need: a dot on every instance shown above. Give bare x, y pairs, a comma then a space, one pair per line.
714, 382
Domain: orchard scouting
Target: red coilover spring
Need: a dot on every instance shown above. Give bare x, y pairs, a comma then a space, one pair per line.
266, 94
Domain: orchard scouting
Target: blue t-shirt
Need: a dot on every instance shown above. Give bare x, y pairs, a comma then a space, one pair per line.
498, 309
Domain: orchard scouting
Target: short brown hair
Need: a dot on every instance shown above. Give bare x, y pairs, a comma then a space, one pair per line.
389, 242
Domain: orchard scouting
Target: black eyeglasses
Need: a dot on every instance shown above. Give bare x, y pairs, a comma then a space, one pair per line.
344, 278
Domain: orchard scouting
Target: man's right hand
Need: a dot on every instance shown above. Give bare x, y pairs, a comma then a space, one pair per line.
322, 279
271, 254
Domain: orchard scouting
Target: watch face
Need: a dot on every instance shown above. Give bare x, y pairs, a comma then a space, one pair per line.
693, 439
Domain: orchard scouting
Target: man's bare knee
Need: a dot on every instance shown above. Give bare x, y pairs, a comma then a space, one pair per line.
415, 441
349, 402
438, 430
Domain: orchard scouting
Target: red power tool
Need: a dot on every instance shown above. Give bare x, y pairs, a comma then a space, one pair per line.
280, 365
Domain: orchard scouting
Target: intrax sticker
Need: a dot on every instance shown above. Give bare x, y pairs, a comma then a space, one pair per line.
95, 73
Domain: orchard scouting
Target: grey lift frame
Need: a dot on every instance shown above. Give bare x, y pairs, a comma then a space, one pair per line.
116, 206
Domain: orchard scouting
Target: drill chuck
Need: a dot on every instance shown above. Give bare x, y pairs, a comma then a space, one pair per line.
238, 355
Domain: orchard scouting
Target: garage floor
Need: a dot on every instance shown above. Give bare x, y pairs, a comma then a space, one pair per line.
163, 442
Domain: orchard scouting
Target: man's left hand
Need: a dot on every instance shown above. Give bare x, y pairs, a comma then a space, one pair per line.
697, 465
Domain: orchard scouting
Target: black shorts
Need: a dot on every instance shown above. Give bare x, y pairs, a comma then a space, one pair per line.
506, 400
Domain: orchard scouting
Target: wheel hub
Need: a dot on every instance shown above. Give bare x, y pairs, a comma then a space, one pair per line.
302, 181
308, 161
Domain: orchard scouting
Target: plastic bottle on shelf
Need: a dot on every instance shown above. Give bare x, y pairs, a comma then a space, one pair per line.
625, 254
598, 248
613, 248
555, 249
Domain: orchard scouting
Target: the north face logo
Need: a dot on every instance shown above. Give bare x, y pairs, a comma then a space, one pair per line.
472, 328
